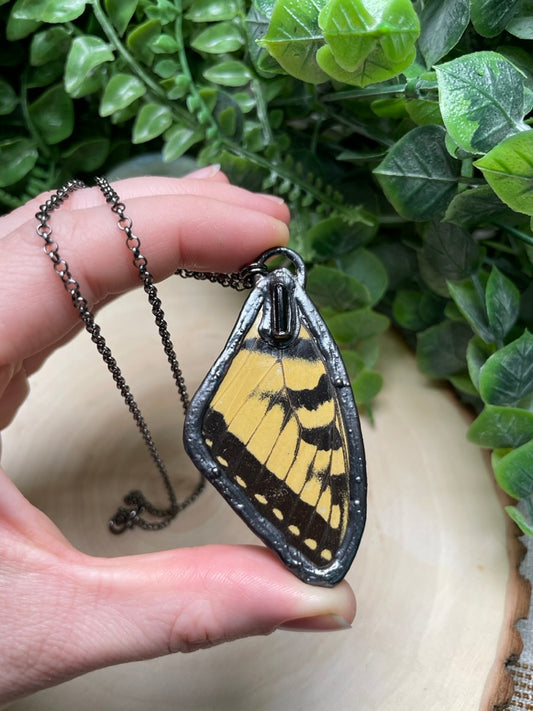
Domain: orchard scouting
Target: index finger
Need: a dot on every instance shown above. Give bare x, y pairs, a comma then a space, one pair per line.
198, 224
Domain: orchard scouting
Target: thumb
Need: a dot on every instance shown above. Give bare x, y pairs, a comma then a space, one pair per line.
67, 613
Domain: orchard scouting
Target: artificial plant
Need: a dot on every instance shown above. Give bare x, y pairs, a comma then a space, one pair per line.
399, 133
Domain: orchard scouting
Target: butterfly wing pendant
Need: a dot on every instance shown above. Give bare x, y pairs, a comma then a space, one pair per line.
274, 427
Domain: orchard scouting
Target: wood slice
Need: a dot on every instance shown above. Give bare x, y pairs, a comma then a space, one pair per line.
437, 590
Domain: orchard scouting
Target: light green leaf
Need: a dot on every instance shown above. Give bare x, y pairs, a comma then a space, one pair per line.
418, 176
218, 38
376, 67
50, 10
352, 327
514, 471
212, 10
53, 115
490, 17
366, 386
294, 37
152, 120
508, 169
17, 157
443, 23
481, 100
229, 73
521, 521
178, 140
507, 376
502, 302
17, 27
121, 91
499, 427
121, 12
86, 53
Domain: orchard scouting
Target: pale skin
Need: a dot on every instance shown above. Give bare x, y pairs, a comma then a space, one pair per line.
66, 613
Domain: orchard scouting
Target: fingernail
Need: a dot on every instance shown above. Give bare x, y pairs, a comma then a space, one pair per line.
274, 198
321, 623
208, 172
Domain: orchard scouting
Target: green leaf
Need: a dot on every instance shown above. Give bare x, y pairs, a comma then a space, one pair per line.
229, 73
219, 38
17, 156
521, 521
17, 27
499, 427
121, 91
477, 354
139, 41
471, 304
329, 287
502, 303
86, 53
178, 140
50, 10
48, 45
508, 169
294, 37
507, 376
481, 100
366, 386
441, 349
522, 24
418, 176
152, 120
475, 206
416, 310
212, 10
352, 327
8, 98
490, 17
443, 23
257, 23
368, 270
87, 155
333, 237
120, 13
53, 115
449, 251
514, 472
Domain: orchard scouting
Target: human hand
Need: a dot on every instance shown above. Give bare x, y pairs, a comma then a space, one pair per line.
63, 613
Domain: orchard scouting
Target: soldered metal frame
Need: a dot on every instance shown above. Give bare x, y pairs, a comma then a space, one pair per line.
293, 558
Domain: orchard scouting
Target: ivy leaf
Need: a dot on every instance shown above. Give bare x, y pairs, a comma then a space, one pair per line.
490, 17
293, 38
507, 376
329, 287
500, 427
53, 114
50, 10
121, 91
502, 300
514, 471
152, 120
481, 99
443, 23
86, 53
508, 169
218, 38
18, 156
441, 349
418, 176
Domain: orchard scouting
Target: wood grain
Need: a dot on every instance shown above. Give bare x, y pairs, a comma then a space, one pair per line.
436, 585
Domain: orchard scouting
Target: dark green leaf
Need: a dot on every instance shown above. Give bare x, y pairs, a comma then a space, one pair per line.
415, 310
475, 206
87, 156
508, 168
418, 176
477, 354
50, 10
86, 53
53, 115
8, 98
514, 471
121, 12
17, 157
229, 73
219, 38
212, 10
490, 17
507, 375
332, 237
152, 120
121, 91
48, 45
351, 327
502, 303
329, 287
450, 251
499, 427
443, 23
441, 349
17, 27
368, 270
470, 300
481, 100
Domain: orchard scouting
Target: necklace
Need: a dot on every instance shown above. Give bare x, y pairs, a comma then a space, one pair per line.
273, 427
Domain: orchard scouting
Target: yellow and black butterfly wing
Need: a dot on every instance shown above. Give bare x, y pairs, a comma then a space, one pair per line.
275, 429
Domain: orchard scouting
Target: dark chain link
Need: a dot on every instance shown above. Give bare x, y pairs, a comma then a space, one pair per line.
136, 502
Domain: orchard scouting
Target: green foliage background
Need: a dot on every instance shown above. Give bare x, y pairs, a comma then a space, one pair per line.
399, 132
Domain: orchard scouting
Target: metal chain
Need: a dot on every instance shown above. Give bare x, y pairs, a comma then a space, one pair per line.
136, 503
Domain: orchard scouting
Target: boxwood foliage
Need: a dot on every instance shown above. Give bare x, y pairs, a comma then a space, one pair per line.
399, 132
